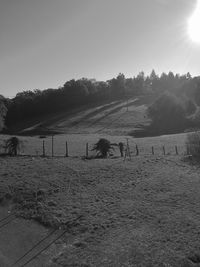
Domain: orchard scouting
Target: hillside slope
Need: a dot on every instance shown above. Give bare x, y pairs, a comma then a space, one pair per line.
116, 118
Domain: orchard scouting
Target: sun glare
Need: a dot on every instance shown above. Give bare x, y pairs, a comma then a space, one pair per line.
194, 24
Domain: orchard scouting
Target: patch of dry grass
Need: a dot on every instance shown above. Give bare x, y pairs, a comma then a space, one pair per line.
143, 212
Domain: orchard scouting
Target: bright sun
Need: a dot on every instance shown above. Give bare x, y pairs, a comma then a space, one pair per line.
194, 24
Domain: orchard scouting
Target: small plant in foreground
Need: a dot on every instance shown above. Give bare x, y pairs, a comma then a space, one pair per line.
193, 144
103, 147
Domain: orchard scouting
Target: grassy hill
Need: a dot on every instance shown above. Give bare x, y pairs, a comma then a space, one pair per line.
115, 118
116, 121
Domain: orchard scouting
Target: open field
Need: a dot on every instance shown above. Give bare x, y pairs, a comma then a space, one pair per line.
114, 121
77, 144
143, 212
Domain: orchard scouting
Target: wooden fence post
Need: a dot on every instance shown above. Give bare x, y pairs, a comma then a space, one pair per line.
128, 149
52, 146
152, 149
176, 149
137, 150
43, 148
86, 150
163, 150
188, 150
67, 153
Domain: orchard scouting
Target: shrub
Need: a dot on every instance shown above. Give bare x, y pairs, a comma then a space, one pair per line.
3, 112
193, 144
103, 147
12, 146
195, 117
190, 107
167, 114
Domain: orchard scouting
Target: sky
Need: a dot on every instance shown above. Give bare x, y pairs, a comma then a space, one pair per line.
44, 43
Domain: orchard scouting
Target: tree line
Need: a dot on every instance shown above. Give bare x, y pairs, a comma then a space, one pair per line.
29, 104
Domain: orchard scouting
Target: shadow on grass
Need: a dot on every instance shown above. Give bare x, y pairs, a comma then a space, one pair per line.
164, 128
192, 160
150, 131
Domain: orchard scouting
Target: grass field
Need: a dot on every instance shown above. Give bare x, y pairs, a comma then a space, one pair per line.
77, 144
114, 121
143, 211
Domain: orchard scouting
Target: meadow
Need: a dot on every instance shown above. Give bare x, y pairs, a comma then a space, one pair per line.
142, 211
33, 146
138, 212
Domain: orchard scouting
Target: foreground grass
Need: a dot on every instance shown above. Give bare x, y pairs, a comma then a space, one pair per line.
143, 212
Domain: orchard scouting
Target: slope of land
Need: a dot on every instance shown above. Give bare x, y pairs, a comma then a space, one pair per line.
140, 212
115, 118
143, 212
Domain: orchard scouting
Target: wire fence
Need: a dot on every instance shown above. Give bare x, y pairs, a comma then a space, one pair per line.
62, 146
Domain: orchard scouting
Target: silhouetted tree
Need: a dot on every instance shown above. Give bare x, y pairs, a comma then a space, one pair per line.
103, 147
12, 146
29, 105
118, 85
167, 114
190, 107
3, 112
154, 78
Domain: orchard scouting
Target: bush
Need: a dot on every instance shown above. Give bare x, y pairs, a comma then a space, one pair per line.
190, 107
193, 144
195, 117
167, 114
103, 147
3, 112
12, 146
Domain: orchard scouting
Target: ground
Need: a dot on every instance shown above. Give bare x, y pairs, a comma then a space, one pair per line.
141, 211
138, 212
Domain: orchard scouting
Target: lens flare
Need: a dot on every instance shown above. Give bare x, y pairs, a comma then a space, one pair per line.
194, 24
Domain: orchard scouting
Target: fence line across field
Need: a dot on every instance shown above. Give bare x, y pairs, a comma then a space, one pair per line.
67, 149
76, 146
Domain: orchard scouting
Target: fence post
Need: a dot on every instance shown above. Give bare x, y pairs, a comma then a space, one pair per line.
86, 150
128, 149
67, 153
176, 149
137, 150
152, 149
52, 146
163, 150
43, 149
188, 150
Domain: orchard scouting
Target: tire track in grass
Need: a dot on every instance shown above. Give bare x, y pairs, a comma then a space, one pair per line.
93, 113
110, 123
115, 110
110, 108
83, 118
